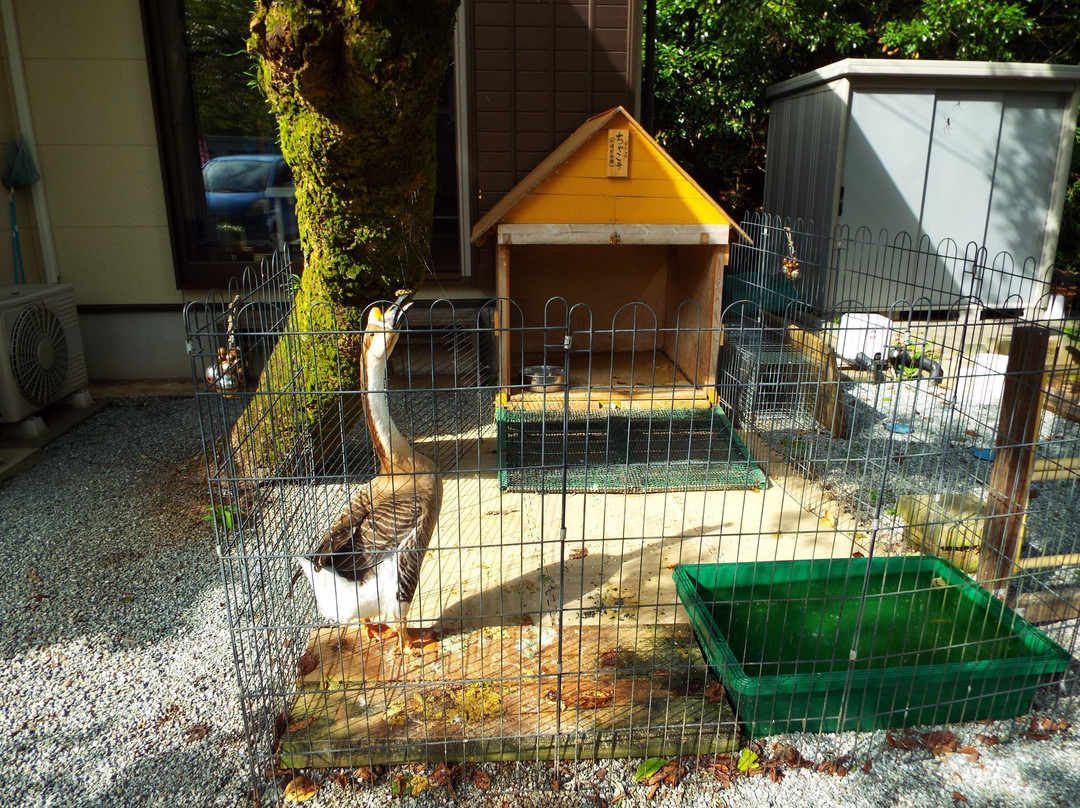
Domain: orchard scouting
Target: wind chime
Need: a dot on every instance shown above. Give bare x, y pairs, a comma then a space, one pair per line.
791, 262
227, 372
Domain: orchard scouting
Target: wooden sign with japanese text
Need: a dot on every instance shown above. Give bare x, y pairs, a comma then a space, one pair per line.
618, 152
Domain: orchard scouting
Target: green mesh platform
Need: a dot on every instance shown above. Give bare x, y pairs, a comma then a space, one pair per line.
633, 452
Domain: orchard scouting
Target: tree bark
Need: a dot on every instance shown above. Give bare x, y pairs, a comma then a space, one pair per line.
354, 86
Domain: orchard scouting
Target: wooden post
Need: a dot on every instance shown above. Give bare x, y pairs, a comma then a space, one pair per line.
1010, 477
502, 311
718, 264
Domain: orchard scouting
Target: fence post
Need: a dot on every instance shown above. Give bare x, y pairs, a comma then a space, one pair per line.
1010, 478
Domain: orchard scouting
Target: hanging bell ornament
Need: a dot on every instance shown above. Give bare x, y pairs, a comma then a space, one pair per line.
791, 267
226, 373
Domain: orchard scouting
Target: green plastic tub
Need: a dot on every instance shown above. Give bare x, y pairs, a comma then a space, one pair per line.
933, 646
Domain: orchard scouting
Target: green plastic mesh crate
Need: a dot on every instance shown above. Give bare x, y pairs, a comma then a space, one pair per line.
933, 647
634, 451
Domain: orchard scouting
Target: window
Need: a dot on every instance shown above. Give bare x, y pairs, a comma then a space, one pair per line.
230, 194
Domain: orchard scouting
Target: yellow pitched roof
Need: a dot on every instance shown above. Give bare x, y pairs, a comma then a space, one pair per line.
571, 185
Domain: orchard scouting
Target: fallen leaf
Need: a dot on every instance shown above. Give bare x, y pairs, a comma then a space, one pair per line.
298, 724
988, 740
1048, 725
971, 752
1037, 736
609, 659
671, 773
580, 552
479, 777
197, 732
365, 774
308, 662
443, 775
867, 766
300, 789
647, 768
905, 742
600, 774
958, 797
592, 699
722, 775
747, 760
793, 759
714, 692
833, 767
941, 742
341, 779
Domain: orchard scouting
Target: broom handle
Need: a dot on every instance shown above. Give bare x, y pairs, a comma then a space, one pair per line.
16, 248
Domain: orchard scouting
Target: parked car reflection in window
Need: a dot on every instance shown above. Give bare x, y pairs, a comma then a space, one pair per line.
252, 199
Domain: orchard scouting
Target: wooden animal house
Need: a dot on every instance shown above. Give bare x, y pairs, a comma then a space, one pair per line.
606, 220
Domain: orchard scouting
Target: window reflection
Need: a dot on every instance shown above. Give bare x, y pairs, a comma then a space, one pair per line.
249, 199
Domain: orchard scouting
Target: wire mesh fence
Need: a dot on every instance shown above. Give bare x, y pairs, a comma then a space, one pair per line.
654, 537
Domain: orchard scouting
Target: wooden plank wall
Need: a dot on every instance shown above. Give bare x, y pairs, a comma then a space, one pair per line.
539, 69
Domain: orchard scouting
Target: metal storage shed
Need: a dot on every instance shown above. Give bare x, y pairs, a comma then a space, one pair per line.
975, 152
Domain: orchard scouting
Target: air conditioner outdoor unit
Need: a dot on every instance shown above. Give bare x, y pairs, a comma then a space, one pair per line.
41, 352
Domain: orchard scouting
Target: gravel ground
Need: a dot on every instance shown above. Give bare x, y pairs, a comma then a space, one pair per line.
119, 687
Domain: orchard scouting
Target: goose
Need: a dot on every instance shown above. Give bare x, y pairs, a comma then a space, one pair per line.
368, 562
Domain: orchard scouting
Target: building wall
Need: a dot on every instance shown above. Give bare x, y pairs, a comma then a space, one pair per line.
89, 89
539, 70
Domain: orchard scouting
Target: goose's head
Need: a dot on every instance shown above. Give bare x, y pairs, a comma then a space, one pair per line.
383, 329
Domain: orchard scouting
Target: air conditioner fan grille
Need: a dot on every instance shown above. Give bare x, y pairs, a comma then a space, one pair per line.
39, 354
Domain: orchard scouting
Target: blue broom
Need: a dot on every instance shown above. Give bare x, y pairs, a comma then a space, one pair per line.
19, 171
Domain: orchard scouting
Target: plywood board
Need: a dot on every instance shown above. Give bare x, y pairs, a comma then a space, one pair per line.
620, 380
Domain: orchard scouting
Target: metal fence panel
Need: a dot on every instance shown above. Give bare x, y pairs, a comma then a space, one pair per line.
845, 529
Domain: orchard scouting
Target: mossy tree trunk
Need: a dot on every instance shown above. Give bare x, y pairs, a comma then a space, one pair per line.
354, 86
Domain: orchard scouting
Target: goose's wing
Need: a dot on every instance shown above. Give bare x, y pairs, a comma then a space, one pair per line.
416, 512
348, 547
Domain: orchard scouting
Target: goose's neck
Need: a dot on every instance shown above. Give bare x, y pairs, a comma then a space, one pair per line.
390, 445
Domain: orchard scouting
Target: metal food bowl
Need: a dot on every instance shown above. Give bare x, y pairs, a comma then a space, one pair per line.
543, 378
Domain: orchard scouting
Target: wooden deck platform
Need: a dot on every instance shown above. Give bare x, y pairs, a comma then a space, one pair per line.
633, 682
497, 693
623, 380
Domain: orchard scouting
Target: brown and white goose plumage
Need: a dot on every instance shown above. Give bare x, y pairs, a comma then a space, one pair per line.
368, 563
